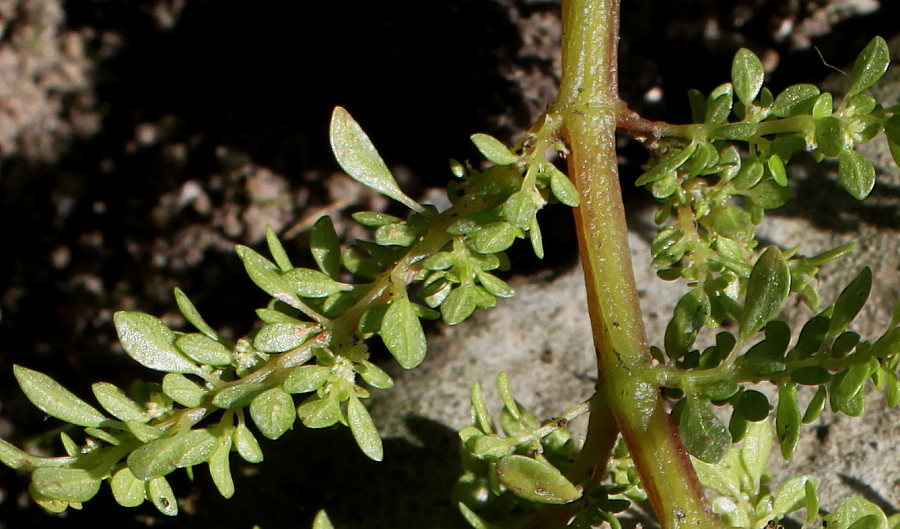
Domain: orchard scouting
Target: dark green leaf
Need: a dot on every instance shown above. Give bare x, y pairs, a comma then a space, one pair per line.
667, 164
869, 66
150, 343
160, 457
535, 480
493, 149
810, 375
749, 175
767, 288
402, 333
687, 319
768, 194
66, 484
326, 247
459, 305
54, 400
830, 136
520, 208
703, 434
481, 415
746, 75
787, 419
273, 412
844, 343
856, 174
719, 104
357, 156
811, 337
373, 219
850, 301
753, 405
363, 429
776, 167
815, 406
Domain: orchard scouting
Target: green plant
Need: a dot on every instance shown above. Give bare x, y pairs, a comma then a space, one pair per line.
714, 178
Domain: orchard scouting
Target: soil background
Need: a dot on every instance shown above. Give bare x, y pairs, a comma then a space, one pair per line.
140, 141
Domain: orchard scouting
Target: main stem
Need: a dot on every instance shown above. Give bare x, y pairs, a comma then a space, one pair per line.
589, 106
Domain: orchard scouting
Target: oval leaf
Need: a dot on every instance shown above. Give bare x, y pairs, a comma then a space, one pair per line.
746, 75
128, 490
703, 434
116, 402
160, 457
273, 412
493, 149
54, 400
151, 343
769, 285
364, 430
357, 156
535, 481
402, 333
856, 174
869, 66
65, 484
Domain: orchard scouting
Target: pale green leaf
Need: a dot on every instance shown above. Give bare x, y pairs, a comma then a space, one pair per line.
319, 413
493, 149
220, 467
495, 237
163, 497
246, 444
869, 66
458, 305
116, 402
128, 490
277, 250
239, 395
204, 350
374, 375
755, 450
746, 75
63, 483
151, 343
856, 173
402, 333
364, 430
322, 521
471, 518
853, 509
536, 481
266, 276
792, 495
326, 247
162, 456
703, 434
767, 288
563, 188
13, 457
303, 379
54, 400
310, 283
787, 419
357, 156
281, 337
273, 412
183, 390
192, 315
794, 100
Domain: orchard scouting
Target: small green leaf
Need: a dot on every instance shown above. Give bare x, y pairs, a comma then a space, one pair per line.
856, 174
54, 400
869, 66
746, 75
239, 395
787, 419
459, 305
537, 238
183, 390
281, 337
520, 208
719, 104
493, 149
116, 402
471, 518
480, 414
357, 156
319, 413
273, 412
792, 495
204, 350
563, 188
402, 333
326, 247
322, 521
495, 237
128, 490
505, 390
363, 429
810, 375
756, 449
65, 484
151, 343
767, 288
304, 379
160, 457
776, 167
851, 301
13, 457
795, 100
536, 481
246, 444
192, 315
163, 497
830, 136
277, 250
753, 405
667, 164
220, 466
688, 318
812, 500
703, 434
374, 375
815, 406
309, 283
853, 509
144, 432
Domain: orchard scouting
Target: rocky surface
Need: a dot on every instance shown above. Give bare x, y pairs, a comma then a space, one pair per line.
139, 141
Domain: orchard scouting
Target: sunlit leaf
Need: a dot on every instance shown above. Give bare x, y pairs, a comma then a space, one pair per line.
162, 456
856, 174
746, 75
535, 480
871, 64
54, 400
364, 430
66, 484
273, 412
402, 333
493, 149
